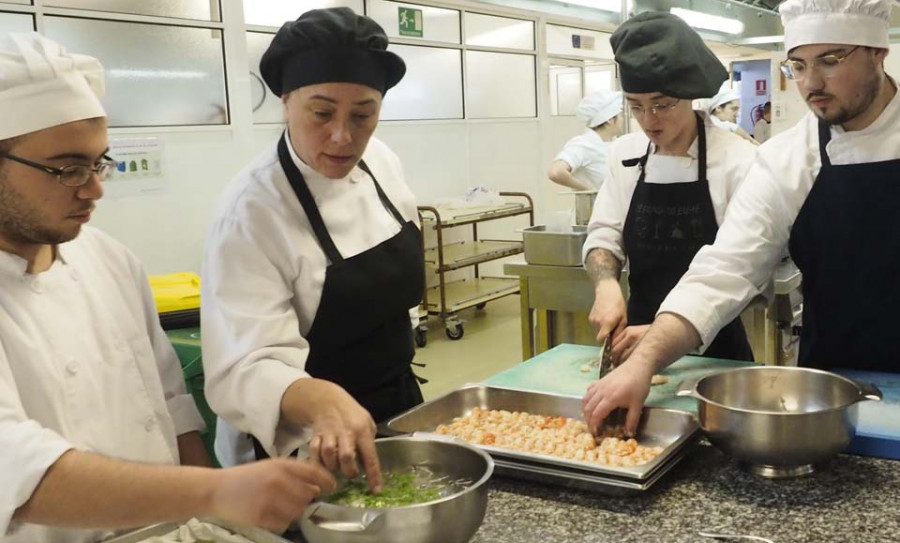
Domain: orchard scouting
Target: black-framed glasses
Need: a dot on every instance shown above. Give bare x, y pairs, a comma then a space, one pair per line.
828, 65
659, 109
75, 175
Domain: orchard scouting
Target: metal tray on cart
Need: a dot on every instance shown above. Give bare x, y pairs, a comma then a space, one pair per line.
257, 535
676, 431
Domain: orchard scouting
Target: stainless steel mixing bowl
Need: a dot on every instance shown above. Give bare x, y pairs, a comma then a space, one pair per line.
779, 421
452, 519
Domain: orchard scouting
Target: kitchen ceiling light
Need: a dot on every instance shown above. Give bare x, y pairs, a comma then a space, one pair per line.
709, 22
605, 5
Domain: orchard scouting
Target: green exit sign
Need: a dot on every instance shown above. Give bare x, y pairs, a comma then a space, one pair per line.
410, 22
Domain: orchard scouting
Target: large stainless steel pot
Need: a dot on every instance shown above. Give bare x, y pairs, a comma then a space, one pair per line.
451, 519
779, 421
584, 205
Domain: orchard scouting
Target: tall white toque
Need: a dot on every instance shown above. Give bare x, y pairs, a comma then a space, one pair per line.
844, 22
42, 85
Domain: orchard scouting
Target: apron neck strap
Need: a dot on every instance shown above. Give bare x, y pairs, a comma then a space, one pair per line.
298, 184
701, 152
824, 138
381, 195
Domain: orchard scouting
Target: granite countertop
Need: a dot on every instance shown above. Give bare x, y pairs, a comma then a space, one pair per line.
849, 499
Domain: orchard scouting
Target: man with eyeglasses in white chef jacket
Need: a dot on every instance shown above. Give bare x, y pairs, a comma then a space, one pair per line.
826, 190
94, 415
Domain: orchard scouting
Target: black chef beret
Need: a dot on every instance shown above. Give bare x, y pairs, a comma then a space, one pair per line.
330, 46
659, 52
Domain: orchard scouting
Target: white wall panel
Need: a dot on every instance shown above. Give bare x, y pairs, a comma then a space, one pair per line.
277, 12
560, 42
204, 10
16, 22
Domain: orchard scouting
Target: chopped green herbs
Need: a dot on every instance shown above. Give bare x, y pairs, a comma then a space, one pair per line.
398, 489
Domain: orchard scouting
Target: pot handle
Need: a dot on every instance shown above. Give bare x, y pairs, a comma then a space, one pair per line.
687, 388
348, 519
868, 391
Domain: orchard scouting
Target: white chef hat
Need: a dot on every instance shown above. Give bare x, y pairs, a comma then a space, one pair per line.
42, 85
844, 22
599, 107
726, 94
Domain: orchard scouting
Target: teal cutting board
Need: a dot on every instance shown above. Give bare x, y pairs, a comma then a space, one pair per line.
558, 371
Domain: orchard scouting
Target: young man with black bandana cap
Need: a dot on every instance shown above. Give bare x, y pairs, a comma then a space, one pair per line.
668, 186
826, 190
314, 266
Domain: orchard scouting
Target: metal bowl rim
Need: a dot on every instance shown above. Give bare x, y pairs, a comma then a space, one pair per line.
703, 398
489, 470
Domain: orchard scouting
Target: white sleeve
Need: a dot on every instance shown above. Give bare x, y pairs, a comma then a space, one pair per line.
573, 154
725, 276
252, 346
27, 450
179, 402
607, 222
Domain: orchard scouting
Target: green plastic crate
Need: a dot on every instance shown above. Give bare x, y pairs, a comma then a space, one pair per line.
186, 342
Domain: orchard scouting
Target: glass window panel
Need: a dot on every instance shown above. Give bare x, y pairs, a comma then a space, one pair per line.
277, 12
500, 85
155, 75
490, 31
577, 42
565, 89
437, 24
15, 22
26, 2
597, 78
266, 106
204, 10
432, 87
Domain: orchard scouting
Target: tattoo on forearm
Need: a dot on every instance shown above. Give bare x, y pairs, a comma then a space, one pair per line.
601, 264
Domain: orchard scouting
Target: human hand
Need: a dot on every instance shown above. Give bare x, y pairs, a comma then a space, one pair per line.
626, 387
624, 344
270, 493
342, 429
608, 312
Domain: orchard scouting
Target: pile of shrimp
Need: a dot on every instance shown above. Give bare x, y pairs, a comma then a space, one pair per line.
555, 436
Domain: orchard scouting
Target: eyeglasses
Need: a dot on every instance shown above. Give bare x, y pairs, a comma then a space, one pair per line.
657, 109
75, 175
828, 66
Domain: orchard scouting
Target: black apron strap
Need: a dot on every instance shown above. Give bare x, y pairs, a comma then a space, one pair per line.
381, 195
824, 138
306, 200
701, 136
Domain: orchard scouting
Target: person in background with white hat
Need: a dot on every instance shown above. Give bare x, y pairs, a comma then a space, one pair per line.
94, 415
581, 164
724, 108
314, 266
668, 185
826, 190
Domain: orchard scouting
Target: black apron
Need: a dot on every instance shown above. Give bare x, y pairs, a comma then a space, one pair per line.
665, 227
844, 240
361, 337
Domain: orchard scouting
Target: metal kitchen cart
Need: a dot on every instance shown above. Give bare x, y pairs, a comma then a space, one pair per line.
448, 297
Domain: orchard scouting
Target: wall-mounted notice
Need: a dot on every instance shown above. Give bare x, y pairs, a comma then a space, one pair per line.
139, 166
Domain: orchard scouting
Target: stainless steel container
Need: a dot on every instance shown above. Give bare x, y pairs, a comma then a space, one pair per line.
584, 205
451, 519
554, 248
779, 421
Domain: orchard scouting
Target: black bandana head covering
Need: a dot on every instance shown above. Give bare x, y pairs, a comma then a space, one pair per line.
659, 52
330, 46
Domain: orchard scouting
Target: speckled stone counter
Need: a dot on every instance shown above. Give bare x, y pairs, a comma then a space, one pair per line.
850, 499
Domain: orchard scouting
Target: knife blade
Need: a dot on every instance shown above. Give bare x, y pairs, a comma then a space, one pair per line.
614, 423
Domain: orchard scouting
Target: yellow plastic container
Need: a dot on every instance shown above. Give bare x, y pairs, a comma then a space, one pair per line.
176, 291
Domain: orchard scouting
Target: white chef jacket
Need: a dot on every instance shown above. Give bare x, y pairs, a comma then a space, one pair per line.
724, 276
586, 155
727, 159
84, 364
263, 275
724, 125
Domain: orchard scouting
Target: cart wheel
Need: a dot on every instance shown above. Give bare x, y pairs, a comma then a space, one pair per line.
482, 305
421, 337
456, 332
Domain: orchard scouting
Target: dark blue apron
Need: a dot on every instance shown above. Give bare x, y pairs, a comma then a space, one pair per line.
665, 227
845, 241
361, 337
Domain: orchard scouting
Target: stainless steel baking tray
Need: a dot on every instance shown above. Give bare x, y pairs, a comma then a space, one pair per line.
554, 248
257, 535
668, 428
